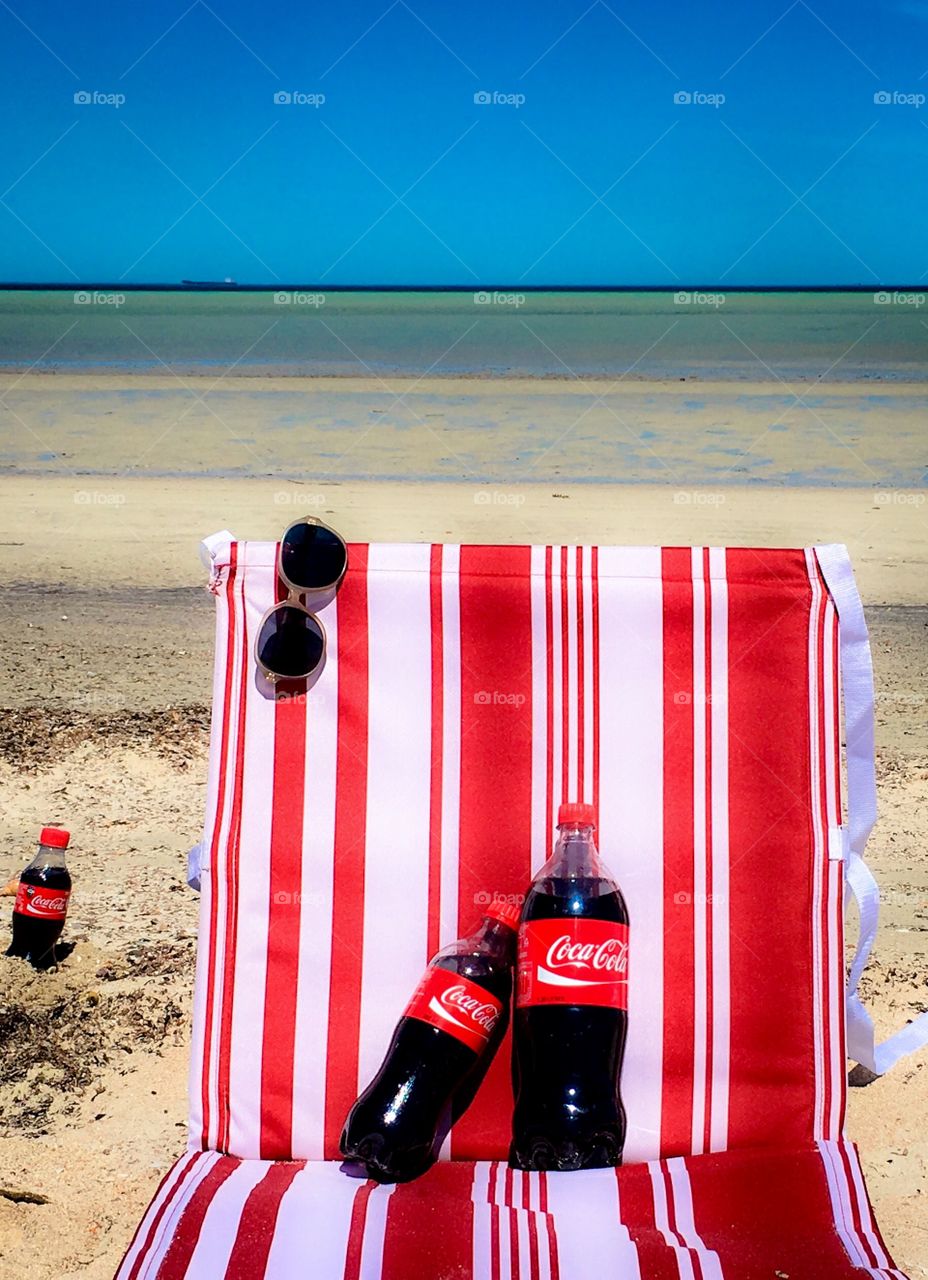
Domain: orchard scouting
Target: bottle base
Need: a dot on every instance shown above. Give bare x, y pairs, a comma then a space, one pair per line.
541, 1155
379, 1163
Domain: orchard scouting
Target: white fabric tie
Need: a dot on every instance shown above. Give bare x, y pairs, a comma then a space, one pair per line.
860, 884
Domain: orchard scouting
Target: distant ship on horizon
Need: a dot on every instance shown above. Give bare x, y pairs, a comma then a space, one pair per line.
228, 283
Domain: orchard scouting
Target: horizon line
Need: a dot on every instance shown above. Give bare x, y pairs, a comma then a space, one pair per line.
218, 286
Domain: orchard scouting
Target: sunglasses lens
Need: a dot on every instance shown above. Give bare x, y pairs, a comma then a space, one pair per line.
290, 643
312, 557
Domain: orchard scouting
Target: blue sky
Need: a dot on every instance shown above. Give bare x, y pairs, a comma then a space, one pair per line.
586, 165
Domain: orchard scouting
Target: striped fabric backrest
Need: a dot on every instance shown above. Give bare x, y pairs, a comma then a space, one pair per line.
691, 694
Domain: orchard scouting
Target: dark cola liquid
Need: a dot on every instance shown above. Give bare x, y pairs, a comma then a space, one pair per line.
567, 1059
397, 1125
34, 939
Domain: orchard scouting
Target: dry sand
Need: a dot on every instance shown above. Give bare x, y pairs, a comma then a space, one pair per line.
105, 645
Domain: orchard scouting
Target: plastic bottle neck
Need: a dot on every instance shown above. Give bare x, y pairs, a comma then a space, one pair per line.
575, 855
48, 855
495, 938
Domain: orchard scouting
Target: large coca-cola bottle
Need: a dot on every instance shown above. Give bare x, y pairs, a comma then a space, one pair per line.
440, 1049
42, 901
571, 1008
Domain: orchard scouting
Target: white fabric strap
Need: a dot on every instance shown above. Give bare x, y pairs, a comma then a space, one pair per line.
211, 546
857, 682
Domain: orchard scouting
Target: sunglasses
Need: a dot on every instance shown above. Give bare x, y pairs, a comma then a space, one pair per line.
311, 562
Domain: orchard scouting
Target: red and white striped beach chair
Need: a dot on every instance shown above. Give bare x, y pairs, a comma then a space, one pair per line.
693, 696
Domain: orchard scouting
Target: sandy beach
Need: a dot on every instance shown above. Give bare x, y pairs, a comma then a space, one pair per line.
105, 647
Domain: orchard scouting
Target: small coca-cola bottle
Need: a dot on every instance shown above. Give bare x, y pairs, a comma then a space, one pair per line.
442, 1044
42, 901
571, 1008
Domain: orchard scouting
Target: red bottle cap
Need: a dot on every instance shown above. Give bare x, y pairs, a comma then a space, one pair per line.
576, 815
507, 913
56, 837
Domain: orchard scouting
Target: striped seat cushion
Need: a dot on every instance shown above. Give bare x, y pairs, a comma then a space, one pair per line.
691, 694
741, 1215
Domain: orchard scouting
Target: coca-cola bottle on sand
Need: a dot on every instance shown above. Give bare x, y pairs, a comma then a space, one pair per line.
448, 1033
42, 901
571, 1008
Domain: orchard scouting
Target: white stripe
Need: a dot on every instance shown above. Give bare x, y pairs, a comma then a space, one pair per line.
863, 1208
451, 742
165, 1192
557, 684
828, 710
450, 675
522, 1219
375, 1230
662, 1222
482, 1213
310, 1049
504, 1258
700, 887
248, 1007
219, 1228
818, 1013
686, 1224
631, 814
833, 886
314, 1220
841, 1208
572, 676
721, 923
398, 791
588, 710
541, 836
165, 1233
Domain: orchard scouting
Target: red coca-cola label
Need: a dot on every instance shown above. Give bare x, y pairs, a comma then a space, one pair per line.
41, 902
456, 1005
573, 962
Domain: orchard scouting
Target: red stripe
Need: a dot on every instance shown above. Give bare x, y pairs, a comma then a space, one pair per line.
595, 571
344, 1015
257, 1223
214, 845
771, 1101
656, 1260
430, 1225
532, 1225
671, 1204
187, 1232
566, 744
283, 931
549, 686
142, 1255
513, 1225
707, 713
581, 675
435, 808
679, 884
233, 848
855, 1208
496, 783
782, 1199
355, 1243
549, 1224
